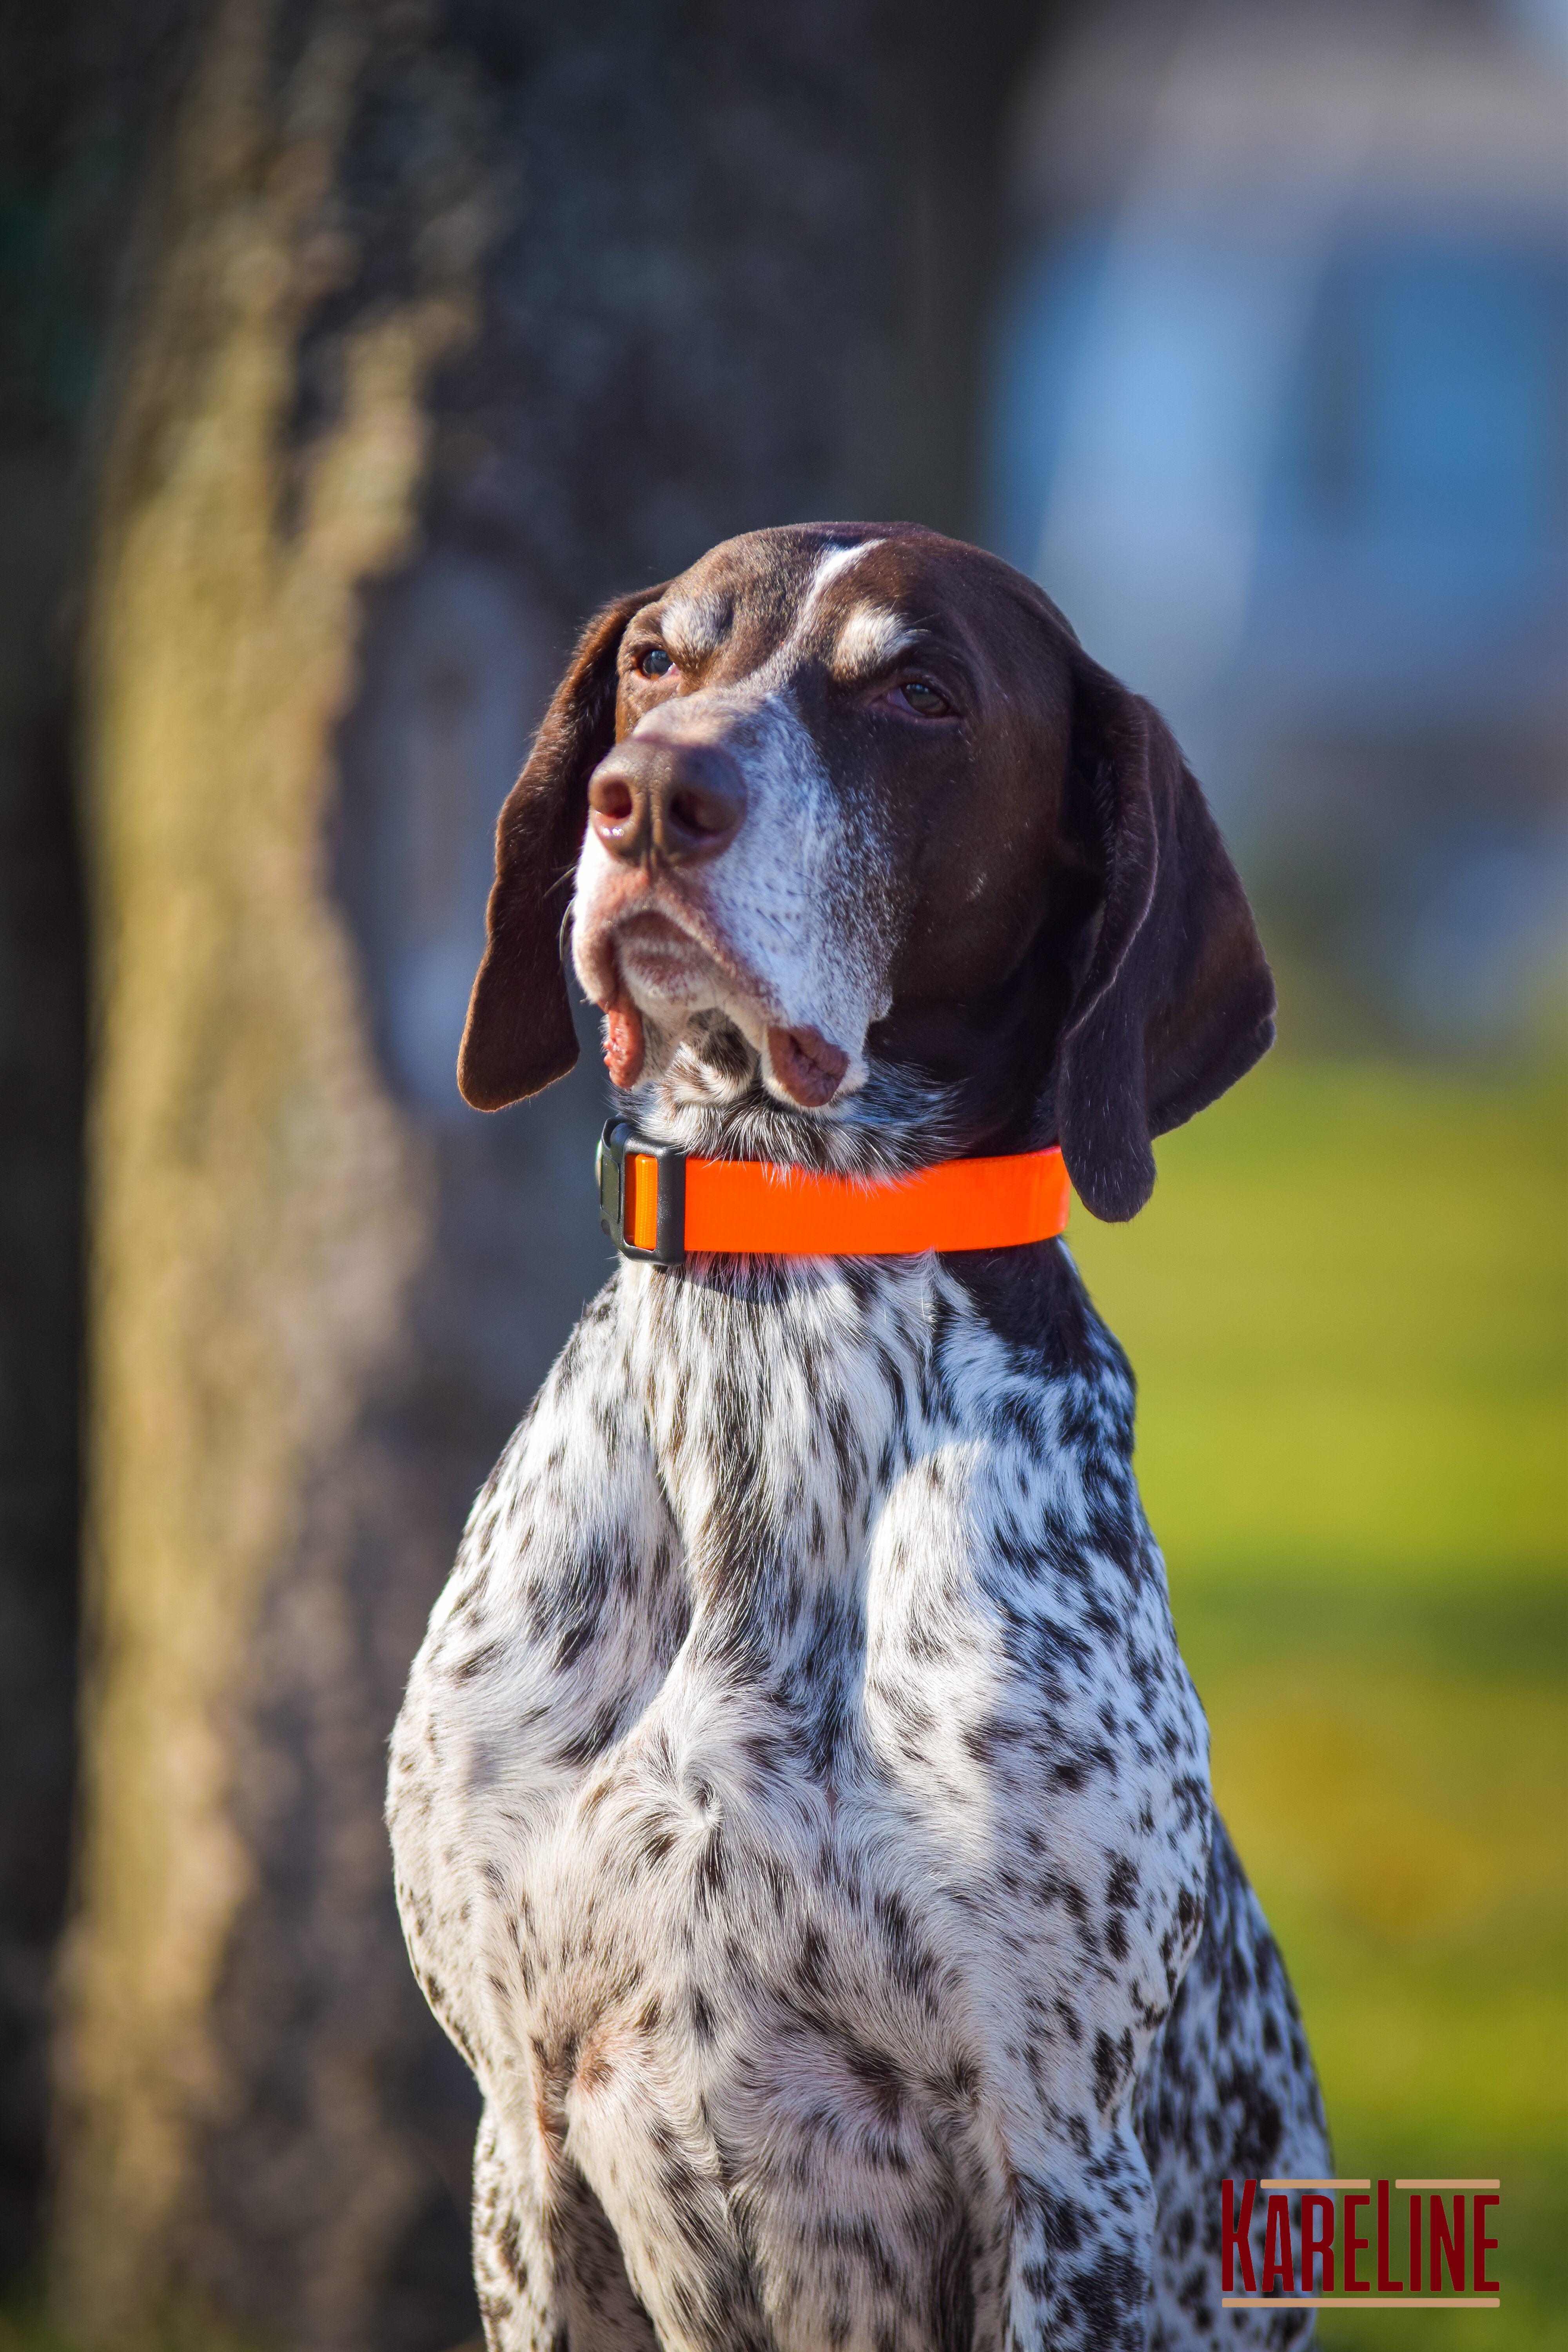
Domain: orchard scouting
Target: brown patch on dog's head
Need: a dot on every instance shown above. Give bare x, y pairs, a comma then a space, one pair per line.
1060, 935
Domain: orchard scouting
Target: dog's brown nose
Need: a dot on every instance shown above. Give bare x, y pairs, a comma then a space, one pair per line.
676, 802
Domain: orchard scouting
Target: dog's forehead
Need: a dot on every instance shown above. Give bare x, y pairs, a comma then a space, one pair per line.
854, 597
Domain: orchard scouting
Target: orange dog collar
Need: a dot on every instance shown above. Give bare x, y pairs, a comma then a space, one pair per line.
660, 1204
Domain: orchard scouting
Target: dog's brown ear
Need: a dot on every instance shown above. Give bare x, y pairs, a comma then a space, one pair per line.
519, 1035
1177, 1001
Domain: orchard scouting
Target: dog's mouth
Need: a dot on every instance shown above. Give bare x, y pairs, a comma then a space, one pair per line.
806, 1065
657, 959
647, 962
651, 958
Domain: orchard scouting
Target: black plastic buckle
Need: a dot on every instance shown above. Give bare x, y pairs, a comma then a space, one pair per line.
610, 1163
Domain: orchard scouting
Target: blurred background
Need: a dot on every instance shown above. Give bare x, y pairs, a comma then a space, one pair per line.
351, 351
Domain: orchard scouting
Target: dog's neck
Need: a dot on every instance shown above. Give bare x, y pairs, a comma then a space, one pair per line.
704, 1092
760, 1355
793, 1406
781, 1398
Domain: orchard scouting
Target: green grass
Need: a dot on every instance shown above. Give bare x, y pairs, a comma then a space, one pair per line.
1347, 1305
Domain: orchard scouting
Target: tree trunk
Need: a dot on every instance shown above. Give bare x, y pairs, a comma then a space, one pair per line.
258, 1208
74, 82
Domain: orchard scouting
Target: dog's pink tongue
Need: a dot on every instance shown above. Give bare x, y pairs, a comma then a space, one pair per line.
624, 1045
806, 1066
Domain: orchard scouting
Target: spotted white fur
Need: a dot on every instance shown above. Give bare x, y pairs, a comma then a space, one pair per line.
800, 1806
802, 1824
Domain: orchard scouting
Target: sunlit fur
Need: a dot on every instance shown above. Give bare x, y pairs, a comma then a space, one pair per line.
801, 1808
802, 1823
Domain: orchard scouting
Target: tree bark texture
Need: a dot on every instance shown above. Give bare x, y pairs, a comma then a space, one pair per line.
75, 86
257, 1205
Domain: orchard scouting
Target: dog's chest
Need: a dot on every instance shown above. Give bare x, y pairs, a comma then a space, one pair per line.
799, 1731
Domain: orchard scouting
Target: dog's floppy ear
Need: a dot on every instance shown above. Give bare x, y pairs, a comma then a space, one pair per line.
1176, 1001
519, 1035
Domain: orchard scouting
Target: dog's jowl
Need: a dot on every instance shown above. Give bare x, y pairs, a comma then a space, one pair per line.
801, 1808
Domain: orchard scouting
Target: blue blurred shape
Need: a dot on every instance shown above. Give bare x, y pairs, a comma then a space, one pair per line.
1279, 397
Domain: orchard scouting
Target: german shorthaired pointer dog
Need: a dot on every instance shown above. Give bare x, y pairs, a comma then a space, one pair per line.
801, 1808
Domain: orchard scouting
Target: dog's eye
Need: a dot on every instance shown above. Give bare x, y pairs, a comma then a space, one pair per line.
654, 662
918, 694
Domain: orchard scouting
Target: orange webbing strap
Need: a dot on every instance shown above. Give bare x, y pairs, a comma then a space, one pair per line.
753, 1207
639, 1213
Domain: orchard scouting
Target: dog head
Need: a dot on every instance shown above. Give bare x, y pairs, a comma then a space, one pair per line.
849, 799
